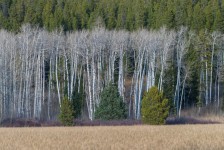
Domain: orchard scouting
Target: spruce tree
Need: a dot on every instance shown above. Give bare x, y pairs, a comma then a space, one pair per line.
198, 18
111, 105
155, 107
78, 98
218, 22
66, 115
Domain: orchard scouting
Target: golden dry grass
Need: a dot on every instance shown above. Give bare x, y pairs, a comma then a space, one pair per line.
105, 138
212, 118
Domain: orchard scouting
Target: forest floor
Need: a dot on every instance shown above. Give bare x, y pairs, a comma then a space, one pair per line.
169, 137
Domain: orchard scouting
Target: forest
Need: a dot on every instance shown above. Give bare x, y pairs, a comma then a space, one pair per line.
39, 68
54, 49
131, 15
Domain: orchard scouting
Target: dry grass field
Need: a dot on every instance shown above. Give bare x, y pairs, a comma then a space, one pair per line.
179, 137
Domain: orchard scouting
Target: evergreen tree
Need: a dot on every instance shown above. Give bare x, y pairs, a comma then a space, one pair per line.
121, 15
58, 16
198, 20
155, 108
84, 13
110, 16
30, 16
17, 13
180, 13
169, 86
149, 14
66, 115
139, 13
218, 21
69, 21
209, 17
130, 22
170, 15
111, 105
47, 15
78, 97
189, 16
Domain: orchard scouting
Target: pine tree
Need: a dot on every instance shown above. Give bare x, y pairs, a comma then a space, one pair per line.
209, 16
78, 97
218, 21
155, 108
111, 105
170, 19
121, 15
58, 16
69, 21
130, 22
111, 20
17, 13
181, 13
149, 13
139, 15
84, 14
47, 14
198, 20
66, 115
189, 14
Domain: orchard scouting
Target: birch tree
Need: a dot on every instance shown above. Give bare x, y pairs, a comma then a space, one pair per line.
214, 38
181, 48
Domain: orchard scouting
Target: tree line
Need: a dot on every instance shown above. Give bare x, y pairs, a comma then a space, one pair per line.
40, 68
113, 14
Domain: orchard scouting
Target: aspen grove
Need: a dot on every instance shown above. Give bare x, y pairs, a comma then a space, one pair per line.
40, 68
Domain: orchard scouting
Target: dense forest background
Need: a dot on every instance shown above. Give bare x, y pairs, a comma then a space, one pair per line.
75, 48
114, 14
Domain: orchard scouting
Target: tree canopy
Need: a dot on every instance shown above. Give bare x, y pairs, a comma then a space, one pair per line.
115, 14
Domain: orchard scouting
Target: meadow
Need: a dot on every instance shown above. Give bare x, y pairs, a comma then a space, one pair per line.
167, 137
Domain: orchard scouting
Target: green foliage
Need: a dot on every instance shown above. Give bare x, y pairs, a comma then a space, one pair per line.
169, 86
77, 102
155, 108
66, 115
78, 97
119, 14
218, 21
111, 105
198, 18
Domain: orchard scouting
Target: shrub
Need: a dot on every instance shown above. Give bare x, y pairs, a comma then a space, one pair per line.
111, 105
66, 115
155, 107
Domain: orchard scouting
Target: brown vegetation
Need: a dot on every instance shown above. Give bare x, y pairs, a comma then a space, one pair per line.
120, 137
20, 123
208, 114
